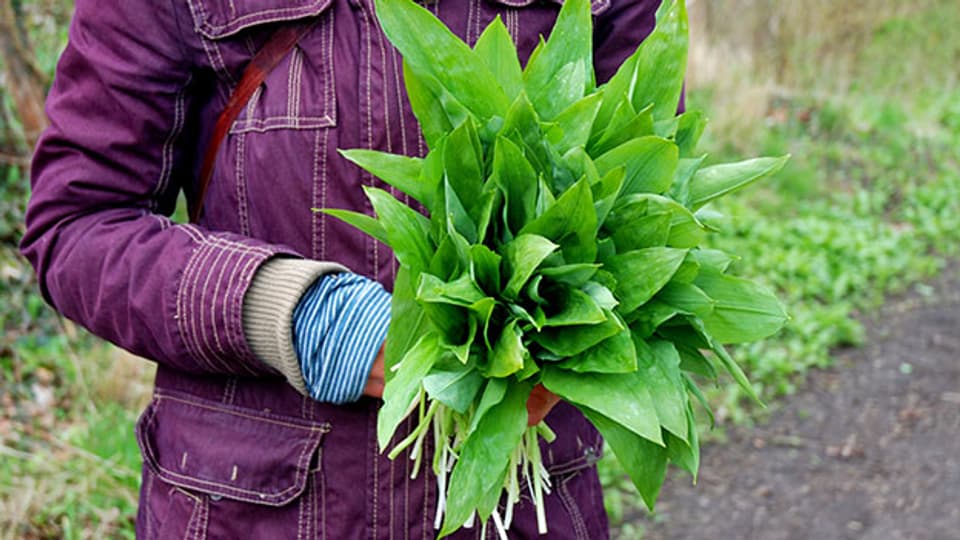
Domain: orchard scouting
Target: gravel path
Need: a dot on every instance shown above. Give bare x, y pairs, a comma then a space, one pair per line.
868, 450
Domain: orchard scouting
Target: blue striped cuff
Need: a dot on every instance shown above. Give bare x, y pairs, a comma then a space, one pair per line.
338, 328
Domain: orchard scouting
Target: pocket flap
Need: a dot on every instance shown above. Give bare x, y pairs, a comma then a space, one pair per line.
216, 19
597, 6
228, 451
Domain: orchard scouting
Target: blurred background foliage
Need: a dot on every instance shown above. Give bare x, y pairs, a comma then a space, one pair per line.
863, 93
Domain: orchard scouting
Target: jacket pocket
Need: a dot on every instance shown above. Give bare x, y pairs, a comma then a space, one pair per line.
300, 92
228, 452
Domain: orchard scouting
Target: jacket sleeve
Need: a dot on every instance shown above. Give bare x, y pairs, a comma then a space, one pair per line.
103, 175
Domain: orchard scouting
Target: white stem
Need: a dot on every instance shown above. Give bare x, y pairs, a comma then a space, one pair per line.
501, 531
470, 521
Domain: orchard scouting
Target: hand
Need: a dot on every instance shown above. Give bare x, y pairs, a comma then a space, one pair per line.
539, 404
375, 381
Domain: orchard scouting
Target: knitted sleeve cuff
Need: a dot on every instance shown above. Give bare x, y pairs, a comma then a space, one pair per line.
268, 307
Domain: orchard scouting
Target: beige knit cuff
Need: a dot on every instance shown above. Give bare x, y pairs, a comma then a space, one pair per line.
268, 307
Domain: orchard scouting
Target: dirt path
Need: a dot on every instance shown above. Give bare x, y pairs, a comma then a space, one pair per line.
869, 450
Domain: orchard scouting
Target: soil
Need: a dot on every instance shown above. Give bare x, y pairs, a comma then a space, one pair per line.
869, 449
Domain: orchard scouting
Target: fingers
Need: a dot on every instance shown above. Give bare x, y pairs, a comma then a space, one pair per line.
376, 380
539, 404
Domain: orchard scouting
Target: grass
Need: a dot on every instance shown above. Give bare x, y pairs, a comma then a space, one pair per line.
868, 206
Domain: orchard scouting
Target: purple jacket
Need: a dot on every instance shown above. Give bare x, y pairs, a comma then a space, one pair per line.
226, 442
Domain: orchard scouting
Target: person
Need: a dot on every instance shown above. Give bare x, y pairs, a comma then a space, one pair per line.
262, 422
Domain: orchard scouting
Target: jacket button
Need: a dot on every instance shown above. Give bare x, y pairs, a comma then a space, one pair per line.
215, 497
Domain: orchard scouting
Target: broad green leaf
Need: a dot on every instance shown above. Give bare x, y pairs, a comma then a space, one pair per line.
651, 164
401, 172
435, 121
686, 168
660, 375
567, 306
686, 297
644, 461
446, 262
562, 71
625, 125
606, 191
575, 275
570, 222
743, 311
485, 269
459, 292
645, 320
367, 224
463, 167
690, 126
454, 384
522, 126
601, 294
495, 47
641, 273
408, 233
457, 215
429, 48
685, 230
616, 354
481, 459
408, 323
569, 341
718, 180
622, 397
576, 121
662, 61
509, 354
517, 180
711, 259
493, 392
522, 256
402, 390
688, 271
685, 452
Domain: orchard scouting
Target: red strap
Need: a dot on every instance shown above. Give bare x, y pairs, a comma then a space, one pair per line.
280, 43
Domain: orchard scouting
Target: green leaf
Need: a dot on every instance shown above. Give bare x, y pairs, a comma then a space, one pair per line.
641, 273
575, 275
401, 172
493, 392
570, 222
522, 126
728, 363
624, 125
408, 233
686, 168
621, 397
687, 298
685, 452
644, 461
651, 164
522, 257
646, 319
454, 384
569, 306
692, 360
576, 121
408, 323
743, 311
662, 61
463, 167
711, 259
616, 354
660, 374
430, 49
367, 224
485, 269
402, 390
569, 341
517, 179
718, 180
457, 217
481, 459
690, 126
495, 47
509, 354
459, 292
562, 70
433, 113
